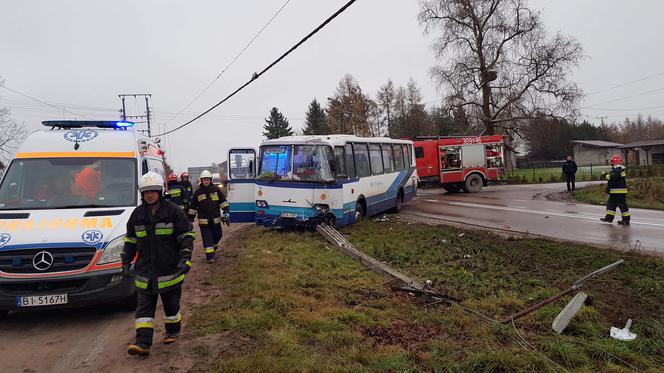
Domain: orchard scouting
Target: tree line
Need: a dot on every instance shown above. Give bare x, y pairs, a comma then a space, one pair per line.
393, 111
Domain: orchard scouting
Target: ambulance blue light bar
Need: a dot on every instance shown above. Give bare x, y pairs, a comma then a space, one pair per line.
87, 123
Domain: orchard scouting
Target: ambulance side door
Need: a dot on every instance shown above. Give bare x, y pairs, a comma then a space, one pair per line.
241, 185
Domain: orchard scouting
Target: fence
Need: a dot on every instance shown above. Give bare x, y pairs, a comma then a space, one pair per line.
587, 172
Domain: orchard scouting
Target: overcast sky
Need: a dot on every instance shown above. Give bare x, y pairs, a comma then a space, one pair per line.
80, 54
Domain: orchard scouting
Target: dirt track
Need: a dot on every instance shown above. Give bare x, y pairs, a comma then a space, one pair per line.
96, 338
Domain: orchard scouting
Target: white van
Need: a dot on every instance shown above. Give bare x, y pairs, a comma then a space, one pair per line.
64, 204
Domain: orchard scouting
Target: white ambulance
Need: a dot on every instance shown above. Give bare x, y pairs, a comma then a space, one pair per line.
64, 204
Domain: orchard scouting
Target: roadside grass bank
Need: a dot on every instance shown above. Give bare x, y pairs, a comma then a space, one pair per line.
584, 173
292, 303
643, 193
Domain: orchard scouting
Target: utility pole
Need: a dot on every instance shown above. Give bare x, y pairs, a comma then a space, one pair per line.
602, 119
146, 116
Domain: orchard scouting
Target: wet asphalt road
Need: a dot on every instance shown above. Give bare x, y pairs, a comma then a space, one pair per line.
525, 209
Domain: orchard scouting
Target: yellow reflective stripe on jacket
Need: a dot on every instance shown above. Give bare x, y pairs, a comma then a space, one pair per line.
224, 205
188, 264
214, 197
202, 221
175, 192
130, 240
192, 212
623, 174
618, 191
141, 284
164, 231
141, 234
202, 197
172, 282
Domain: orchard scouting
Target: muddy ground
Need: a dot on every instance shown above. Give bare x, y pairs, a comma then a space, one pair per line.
96, 338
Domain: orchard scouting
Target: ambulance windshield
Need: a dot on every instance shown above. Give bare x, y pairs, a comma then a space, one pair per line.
309, 163
68, 183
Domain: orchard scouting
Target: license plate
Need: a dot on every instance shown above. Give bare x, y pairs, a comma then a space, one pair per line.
41, 300
288, 215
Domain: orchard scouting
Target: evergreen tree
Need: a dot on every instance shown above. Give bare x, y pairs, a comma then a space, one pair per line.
316, 121
276, 125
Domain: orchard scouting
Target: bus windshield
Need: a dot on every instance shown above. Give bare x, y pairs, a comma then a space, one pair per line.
296, 163
59, 183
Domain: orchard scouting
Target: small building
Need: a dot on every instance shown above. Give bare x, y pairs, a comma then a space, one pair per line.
594, 152
644, 152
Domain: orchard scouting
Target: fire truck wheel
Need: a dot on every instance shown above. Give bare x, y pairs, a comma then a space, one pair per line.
473, 183
452, 188
359, 211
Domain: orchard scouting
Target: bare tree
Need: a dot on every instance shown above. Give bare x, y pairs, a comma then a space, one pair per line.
385, 100
11, 134
499, 63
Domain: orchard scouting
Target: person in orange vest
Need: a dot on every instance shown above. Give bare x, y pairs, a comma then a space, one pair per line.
616, 188
87, 182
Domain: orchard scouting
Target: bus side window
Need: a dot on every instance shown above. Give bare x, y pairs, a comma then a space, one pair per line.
376, 159
350, 161
398, 157
361, 153
340, 161
407, 155
388, 158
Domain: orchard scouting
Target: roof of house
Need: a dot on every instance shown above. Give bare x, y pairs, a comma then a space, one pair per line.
638, 144
597, 143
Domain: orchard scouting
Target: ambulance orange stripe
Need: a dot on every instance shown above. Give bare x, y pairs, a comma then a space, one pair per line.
76, 155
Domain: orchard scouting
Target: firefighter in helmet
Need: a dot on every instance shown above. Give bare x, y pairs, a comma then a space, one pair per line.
176, 192
161, 238
188, 188
212, 209
616, 188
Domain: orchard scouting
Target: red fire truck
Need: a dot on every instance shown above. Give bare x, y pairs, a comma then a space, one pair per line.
460, 163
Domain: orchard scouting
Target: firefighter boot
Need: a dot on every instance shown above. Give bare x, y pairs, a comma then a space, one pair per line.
138, 349
170, 338
606, 220
624, 222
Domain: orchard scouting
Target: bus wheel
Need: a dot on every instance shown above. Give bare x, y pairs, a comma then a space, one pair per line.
359, 211
473, 183
397, 203
452, 187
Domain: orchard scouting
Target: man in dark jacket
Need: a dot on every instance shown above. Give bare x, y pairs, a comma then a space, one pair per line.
160, 237
569, 169
616, 188
212, 209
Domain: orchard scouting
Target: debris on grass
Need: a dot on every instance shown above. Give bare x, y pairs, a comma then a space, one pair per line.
623, 334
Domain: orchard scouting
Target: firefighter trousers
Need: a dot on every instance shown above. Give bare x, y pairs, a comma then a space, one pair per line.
617, 201
147, 304
211, 234
571, 179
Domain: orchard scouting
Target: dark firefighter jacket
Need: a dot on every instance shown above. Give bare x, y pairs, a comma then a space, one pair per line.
617, 181
207, 202
177, 193
188, 190
161, 242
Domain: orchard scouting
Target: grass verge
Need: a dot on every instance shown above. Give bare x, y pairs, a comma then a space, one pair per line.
294, 304
643, 193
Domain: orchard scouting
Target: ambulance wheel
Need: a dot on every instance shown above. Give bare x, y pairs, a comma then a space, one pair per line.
359, 211
473, 183
453, 187
3, 314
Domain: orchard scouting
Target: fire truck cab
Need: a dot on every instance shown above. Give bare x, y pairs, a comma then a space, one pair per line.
460, 163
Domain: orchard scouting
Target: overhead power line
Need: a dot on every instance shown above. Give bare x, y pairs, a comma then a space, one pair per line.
631, 109
625, 84
44, 102
230, 64
255, 76
623, 98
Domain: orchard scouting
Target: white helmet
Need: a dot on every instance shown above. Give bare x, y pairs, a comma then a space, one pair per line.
205, 174
151, 181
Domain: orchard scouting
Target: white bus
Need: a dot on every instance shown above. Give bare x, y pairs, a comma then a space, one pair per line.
305, 180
